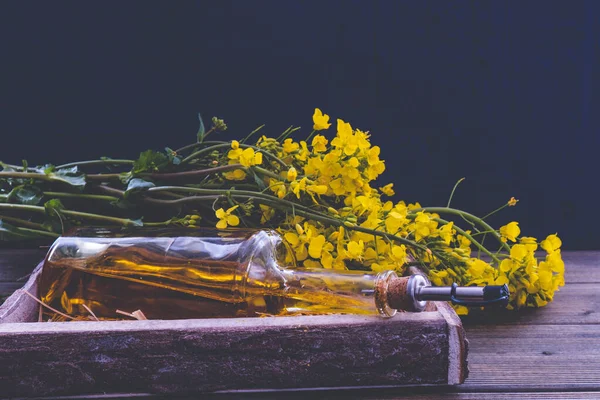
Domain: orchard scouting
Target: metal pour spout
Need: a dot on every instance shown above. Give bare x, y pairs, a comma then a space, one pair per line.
412, 293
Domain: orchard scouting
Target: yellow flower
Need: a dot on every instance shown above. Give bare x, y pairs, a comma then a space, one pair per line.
249, 158
316, 246
235, 144
316, 189
398, 255
394, 221
298, 187
529, 242
423, 225
320, 120
439, 278
512, 202
304, 236
551, 243
289, 146
447, 232
556, 262
355, 250
278, 188
345, 139
319, 144
266, 213
518, 252
235, 175
388, 189
510, 231
226, 218
292, 174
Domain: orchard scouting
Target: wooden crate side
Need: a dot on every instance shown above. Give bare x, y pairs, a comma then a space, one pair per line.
187, 356
458, 345
193, 356
19, 307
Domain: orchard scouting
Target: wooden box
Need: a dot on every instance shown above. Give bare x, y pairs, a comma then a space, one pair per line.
216, 355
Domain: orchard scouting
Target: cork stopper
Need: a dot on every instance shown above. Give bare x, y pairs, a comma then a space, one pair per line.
398, 295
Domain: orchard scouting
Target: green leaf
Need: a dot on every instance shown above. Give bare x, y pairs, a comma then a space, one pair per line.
46, 169
53, 207
150, 161
26, 194
67, 176
125, 177
25, 165
201, 129
138, 184
137, 222
68, 171
6, 167
56, 221
173, 158
259, 182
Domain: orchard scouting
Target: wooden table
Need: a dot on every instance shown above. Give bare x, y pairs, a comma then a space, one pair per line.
548, 353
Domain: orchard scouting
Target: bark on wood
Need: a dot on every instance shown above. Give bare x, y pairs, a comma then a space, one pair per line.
194, 356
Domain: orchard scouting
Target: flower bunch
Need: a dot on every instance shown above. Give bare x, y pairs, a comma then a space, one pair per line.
319, 193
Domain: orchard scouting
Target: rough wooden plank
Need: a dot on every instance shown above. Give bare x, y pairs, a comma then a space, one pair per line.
205, 355
582, 266
534, 357
365, 394
390, 394
20, 307
575, 303
404, 394
458, 345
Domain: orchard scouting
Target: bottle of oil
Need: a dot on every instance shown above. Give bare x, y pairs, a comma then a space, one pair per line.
174, 273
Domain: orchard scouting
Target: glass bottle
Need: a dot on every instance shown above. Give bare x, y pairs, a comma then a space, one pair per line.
175, 273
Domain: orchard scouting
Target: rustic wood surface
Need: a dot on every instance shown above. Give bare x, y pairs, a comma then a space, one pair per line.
549, 353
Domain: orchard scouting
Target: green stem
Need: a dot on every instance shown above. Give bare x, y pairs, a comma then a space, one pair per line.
103, 177
22, 222
26, 175
481, 233
287, 133
310, 136
268, 173
81, 196
252, 133
37, 232
475, 242
466, 215
198, 144
191, 174
96, 162
228, 145
211, 130
226, 192
495, 211
286, 205
453, 189
75, 214
156, 224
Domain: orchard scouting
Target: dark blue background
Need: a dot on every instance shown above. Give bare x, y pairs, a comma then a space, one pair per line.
503, 93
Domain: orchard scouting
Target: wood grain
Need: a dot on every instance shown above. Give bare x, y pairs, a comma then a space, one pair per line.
547, 353
575, 303
193, 356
